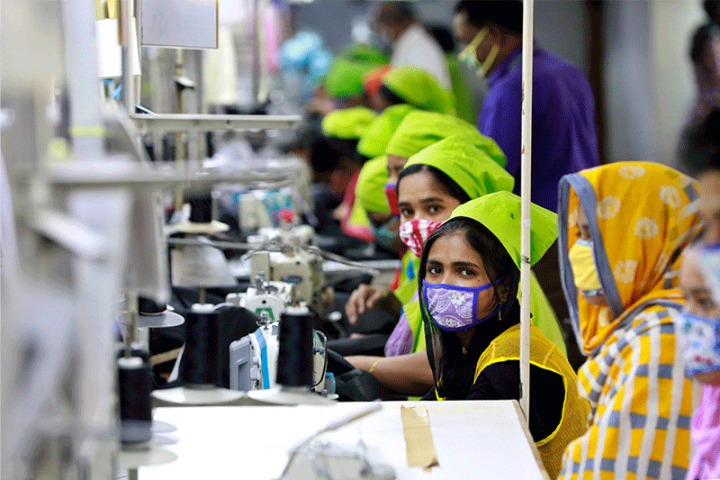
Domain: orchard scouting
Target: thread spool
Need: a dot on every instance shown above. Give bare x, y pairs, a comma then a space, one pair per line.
135, 384
147, 306
200, 209
295, 351
199, 368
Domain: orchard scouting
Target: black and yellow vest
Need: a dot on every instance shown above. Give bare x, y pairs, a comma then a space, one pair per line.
544, 354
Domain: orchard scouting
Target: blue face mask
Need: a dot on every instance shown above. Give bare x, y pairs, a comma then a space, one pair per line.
454, 308
698, 337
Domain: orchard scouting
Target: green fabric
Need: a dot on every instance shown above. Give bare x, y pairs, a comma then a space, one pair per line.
465, 107
377, 136
344, 78
360, 52
419, 130
348, 123
370, 188
420, 88
407, 286
471, 168
500, 213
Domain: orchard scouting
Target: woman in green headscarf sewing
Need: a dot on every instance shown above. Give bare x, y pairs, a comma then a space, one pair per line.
469, 276
440, 178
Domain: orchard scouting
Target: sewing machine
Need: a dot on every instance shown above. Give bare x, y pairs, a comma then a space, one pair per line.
254, 358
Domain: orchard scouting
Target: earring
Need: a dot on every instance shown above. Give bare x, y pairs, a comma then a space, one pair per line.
500, 315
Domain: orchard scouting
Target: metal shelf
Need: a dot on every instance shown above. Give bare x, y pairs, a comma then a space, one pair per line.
206, 122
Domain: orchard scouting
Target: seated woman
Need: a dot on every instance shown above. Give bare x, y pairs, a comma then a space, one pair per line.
469, 274
433, 184
622, 231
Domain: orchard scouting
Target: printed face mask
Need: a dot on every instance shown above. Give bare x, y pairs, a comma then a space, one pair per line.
454, 308
582, 263
710, 267
414, 233
699, 342
384, 235
469, 55
392, 198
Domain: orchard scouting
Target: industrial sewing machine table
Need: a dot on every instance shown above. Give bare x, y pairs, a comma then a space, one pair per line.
473, 440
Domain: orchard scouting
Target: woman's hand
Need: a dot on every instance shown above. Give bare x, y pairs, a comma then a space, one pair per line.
364, 298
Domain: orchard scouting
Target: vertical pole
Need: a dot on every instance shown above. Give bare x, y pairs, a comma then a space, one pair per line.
526, 142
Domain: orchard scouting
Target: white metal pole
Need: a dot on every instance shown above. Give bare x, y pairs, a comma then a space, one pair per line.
526, 162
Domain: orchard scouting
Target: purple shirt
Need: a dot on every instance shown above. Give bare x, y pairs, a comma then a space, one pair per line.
564, 137
705, 434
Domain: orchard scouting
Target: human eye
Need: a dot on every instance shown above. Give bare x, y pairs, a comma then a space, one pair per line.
406, 212
466, 272
434, 270
433, 209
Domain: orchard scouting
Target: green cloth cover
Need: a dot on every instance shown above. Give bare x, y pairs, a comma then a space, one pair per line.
419, 130
348, 123
500, 213
377, 136
420, 88
345, 75
370, 188
471, 168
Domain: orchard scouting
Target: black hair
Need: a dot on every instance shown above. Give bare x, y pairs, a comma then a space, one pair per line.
701, 149
398, 13
499, 265
327, 152
712, 8
391, 97
507, 14
447, 184
700, 41
443, 36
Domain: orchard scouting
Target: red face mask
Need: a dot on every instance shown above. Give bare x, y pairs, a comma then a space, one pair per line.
414, 233
392, 197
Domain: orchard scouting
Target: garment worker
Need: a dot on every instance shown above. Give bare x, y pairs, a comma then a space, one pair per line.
436, 181
469, 276
564, 138
397, 24
623, 300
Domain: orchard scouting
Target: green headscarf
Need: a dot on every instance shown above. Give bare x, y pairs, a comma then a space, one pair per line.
500, 213
345, 75
377, 136
370, 188
468, 166
363, 53
419, 130
348, 123
419, 88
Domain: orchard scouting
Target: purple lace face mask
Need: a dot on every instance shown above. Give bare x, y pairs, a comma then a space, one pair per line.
454, 308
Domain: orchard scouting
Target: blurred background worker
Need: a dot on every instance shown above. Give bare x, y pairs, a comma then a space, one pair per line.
397, 24
563, 115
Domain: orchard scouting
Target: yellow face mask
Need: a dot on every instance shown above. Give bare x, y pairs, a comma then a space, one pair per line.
582, 263
469, 55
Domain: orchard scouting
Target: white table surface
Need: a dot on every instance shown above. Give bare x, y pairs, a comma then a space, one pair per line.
474, 440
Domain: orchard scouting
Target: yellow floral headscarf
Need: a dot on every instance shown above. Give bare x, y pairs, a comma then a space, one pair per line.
641, 216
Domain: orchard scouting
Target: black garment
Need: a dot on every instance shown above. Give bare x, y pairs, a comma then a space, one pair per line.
455, 373
501, 381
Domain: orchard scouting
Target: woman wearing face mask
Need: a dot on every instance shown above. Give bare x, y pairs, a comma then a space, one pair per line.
622, 230
698, 332
433, 183
469, 274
